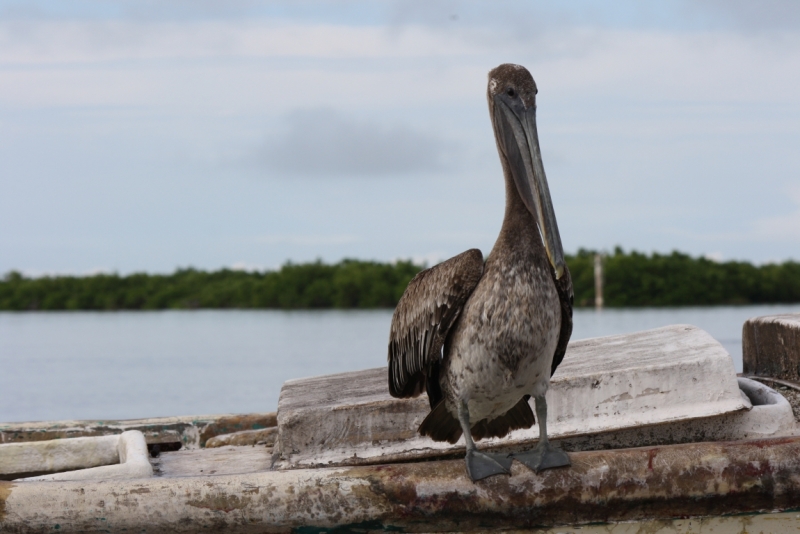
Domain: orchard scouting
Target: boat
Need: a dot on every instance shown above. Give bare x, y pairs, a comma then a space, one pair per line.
662, 434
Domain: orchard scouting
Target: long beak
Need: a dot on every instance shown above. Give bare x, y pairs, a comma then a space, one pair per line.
519, 140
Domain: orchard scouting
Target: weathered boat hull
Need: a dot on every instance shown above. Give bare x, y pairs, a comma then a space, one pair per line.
692, 480
718, 485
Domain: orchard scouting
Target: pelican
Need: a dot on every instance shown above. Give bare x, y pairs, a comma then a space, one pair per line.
482, 338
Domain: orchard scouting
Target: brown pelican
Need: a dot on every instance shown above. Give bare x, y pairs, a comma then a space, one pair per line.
482, 339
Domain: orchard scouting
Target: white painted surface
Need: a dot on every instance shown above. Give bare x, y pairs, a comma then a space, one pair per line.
58, 454
666, 376
771, 415
132, 456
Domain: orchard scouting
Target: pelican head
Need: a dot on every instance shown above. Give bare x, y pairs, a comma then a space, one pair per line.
512, 106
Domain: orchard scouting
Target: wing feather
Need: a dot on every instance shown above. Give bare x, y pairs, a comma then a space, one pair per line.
566, 298
423, 317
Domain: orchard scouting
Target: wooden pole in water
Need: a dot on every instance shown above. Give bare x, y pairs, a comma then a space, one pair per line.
598, 281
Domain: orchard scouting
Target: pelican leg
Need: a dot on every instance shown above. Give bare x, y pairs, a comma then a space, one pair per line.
544, 455
480, 464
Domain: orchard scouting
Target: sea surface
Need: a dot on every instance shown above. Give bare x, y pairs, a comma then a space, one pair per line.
116, 365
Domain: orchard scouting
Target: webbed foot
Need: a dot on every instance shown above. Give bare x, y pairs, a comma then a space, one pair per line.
481, 465
544, 456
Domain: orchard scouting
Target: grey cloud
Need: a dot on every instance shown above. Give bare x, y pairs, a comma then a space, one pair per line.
324, 142
750, 15
523, 21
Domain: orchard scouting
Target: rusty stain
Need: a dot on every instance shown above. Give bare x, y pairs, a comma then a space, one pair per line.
650, 457
769, 442
5, 491
699, 479
139, 491
626, 491
220, 502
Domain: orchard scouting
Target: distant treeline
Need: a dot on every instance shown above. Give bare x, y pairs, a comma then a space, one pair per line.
676, 279
630, 279
347, 284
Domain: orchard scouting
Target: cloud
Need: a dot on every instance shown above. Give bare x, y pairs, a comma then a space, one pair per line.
714, 256
248, 267
781, 227
324, 142
52, 42
749, 15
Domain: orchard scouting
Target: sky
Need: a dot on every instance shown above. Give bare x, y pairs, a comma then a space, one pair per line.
155, 135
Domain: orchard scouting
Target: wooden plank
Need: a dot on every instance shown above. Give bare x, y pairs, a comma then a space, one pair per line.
190, 431
217, 461
771, 346
265, 436
29, 459
618, 387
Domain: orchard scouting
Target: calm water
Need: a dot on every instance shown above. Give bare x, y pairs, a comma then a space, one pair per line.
80, 365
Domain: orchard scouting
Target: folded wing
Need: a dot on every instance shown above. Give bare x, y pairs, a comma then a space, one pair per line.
566, 298
423, 317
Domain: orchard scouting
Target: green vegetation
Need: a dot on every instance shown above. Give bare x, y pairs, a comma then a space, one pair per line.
347, 284
676, 279
631, 279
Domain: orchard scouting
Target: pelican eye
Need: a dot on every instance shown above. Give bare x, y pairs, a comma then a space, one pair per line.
510, 92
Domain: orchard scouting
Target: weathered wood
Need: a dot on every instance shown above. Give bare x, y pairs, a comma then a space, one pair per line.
30, 459
704, 479
236, 423
244, 438
613, 391
132, 460
190, 431
217, 461
771, 346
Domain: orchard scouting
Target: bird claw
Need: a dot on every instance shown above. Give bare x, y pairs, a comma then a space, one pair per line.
544, 456
481, 465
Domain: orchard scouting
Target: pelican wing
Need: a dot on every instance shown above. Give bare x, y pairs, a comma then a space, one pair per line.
566, 297
423, 317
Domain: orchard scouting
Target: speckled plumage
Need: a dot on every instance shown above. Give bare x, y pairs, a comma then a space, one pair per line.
503, 346
503, 335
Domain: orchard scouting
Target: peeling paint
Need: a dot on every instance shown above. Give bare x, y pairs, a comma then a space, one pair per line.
652, 484
220, 503
615, 392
